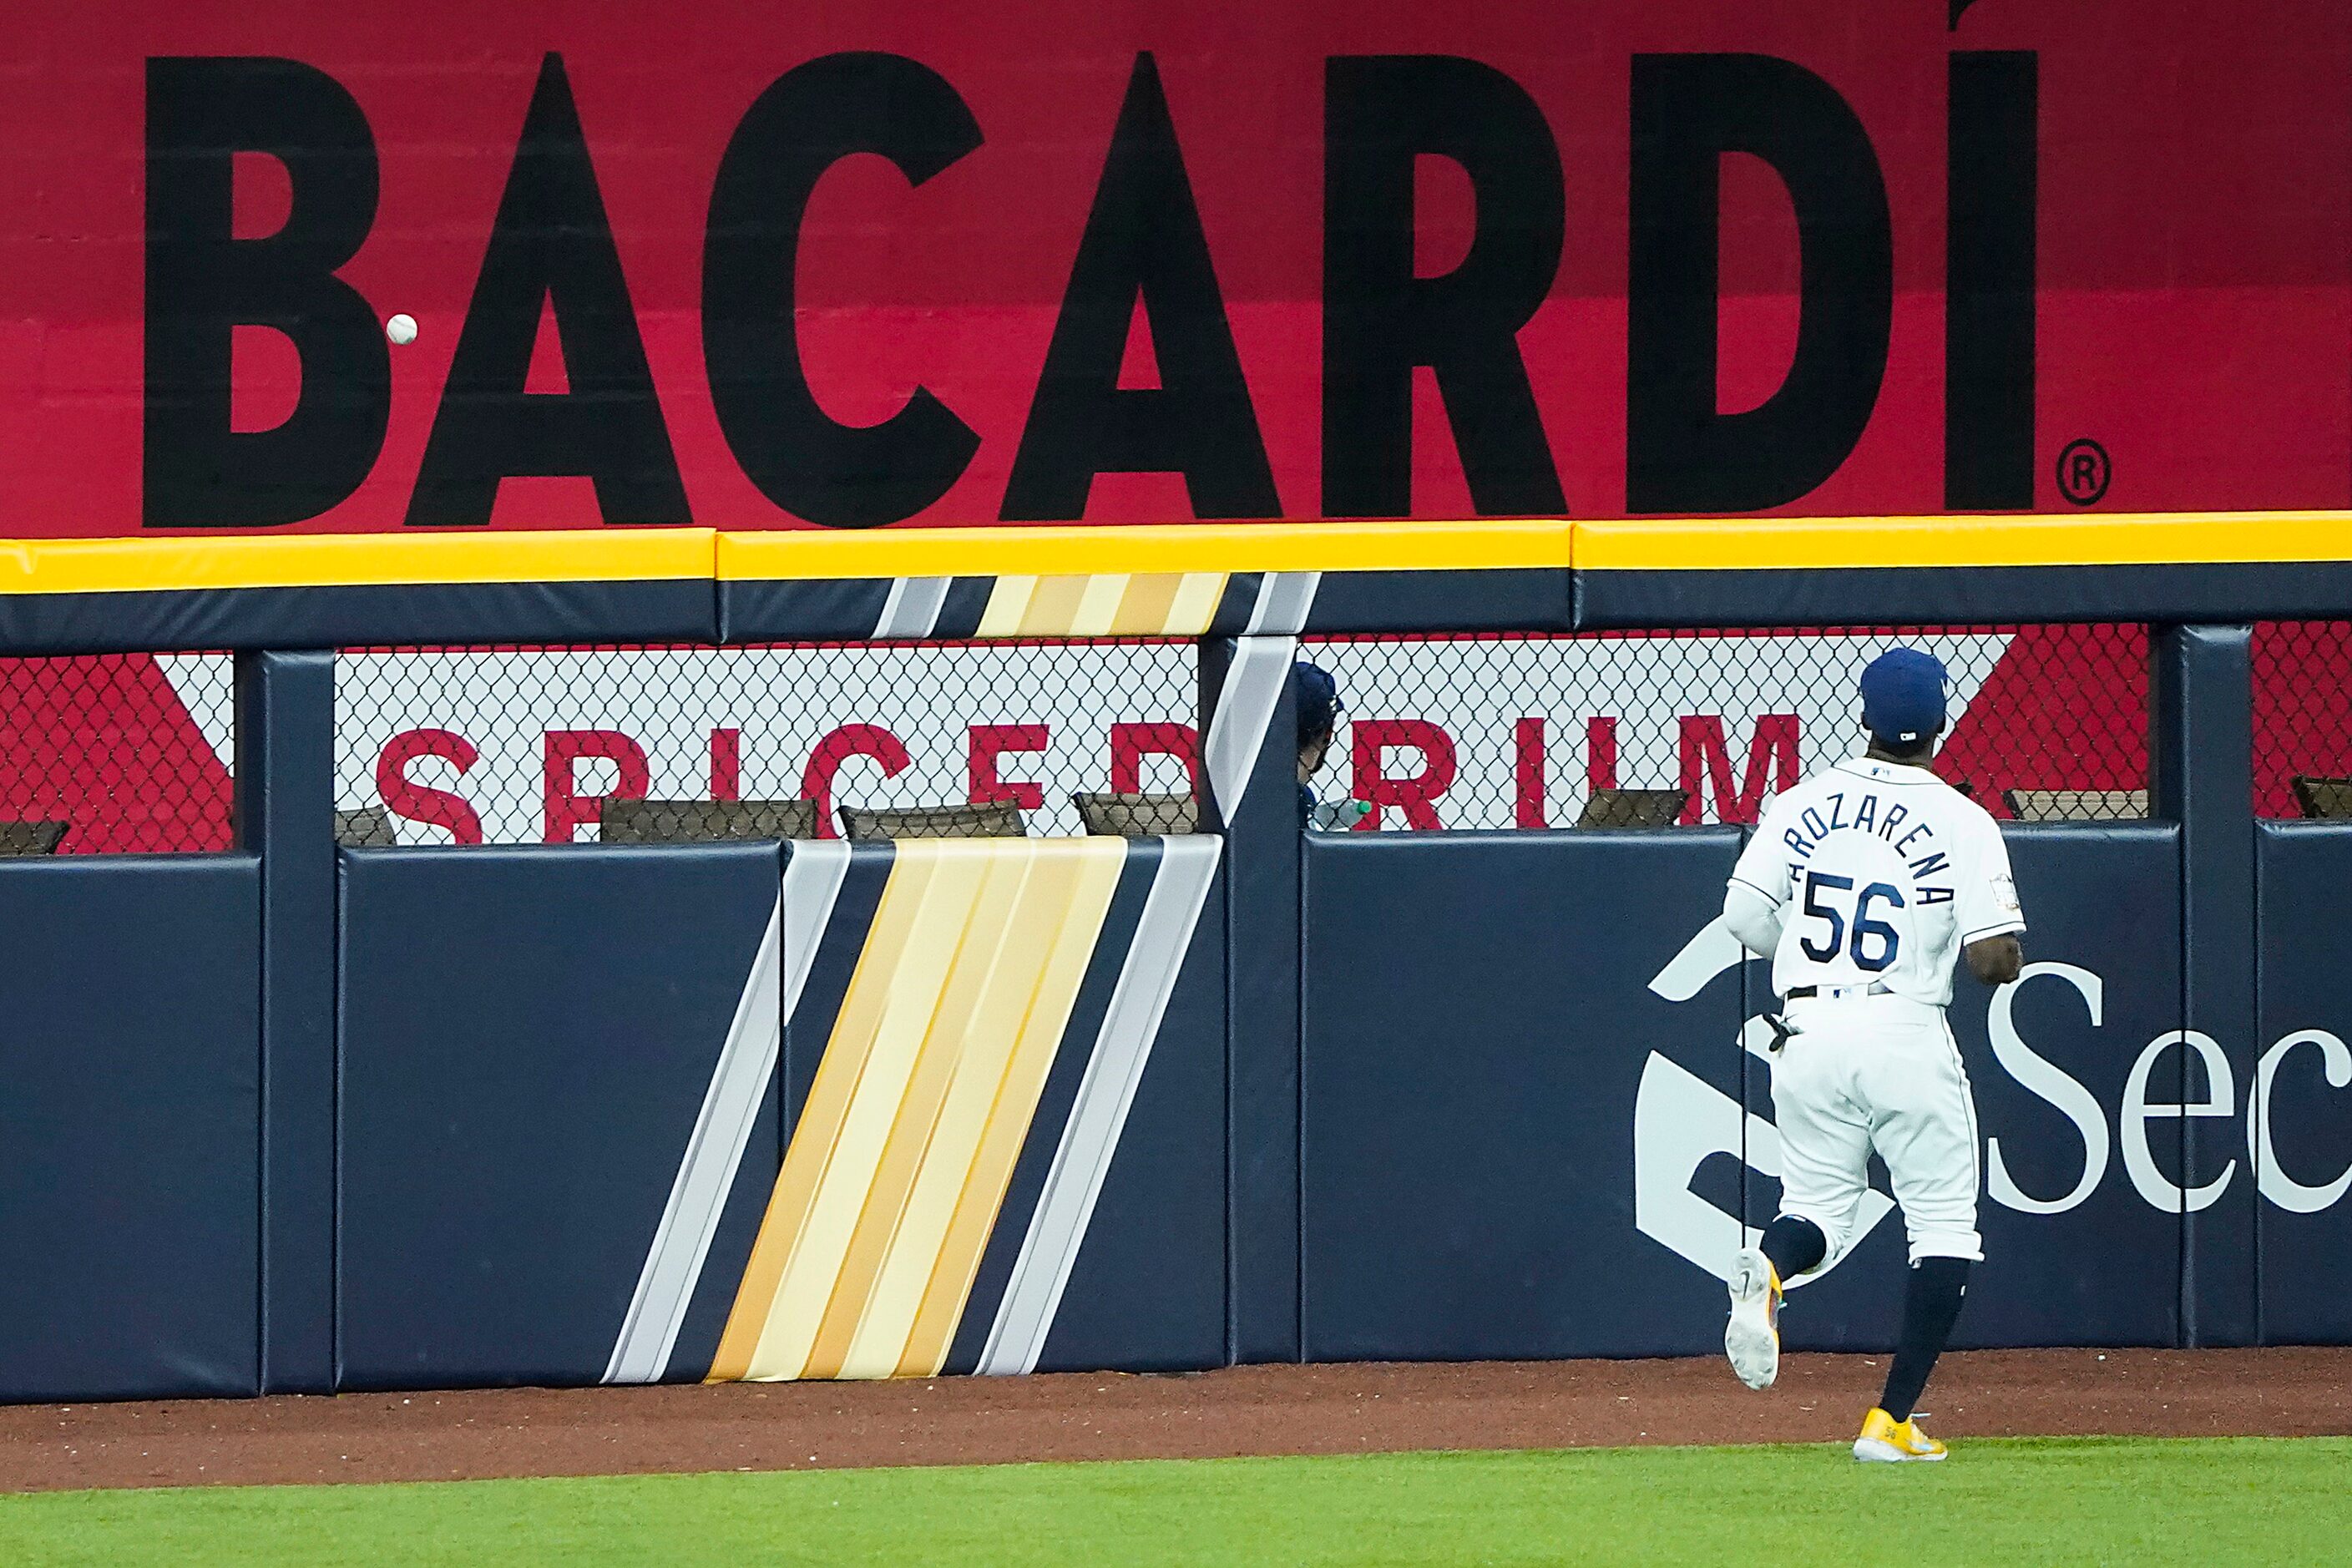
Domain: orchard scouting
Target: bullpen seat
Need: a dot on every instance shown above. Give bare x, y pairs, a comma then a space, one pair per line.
367, 827
987, 819
704, 821
2076, 804
1633, 808
22, 838
1137, 815
2322, 799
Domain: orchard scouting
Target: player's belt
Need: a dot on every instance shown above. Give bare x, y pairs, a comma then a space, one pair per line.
1875, 988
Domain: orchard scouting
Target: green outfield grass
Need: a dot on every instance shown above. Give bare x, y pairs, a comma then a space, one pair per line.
2073, 1501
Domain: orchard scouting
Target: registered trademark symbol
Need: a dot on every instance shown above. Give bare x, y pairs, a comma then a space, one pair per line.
2083, 471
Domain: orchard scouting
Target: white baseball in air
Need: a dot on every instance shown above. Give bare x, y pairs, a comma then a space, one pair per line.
401, 328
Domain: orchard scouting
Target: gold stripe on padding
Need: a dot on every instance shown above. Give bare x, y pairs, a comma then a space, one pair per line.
1195, 606
886, 1034
1458, 544
920, 1109
1143, 607
355, 560
2120, 538
817, 1137
1010, 1035
1054, 607
972, 955
1097, 611
1008, 601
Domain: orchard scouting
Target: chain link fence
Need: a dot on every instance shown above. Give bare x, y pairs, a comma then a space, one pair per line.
528, 746
536, 745
2303, 719
134, 751
2048, 723
109, 753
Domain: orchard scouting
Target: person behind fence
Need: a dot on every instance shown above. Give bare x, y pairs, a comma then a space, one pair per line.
1318, 699
1862, 885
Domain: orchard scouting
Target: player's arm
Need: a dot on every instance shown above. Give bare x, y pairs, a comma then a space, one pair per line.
1754, 919
1991, 919
1757, 894
1996, 960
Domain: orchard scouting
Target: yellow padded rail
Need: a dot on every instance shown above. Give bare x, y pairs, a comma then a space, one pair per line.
1070, 551
198, 561
187, 561
195, 562
2120, 538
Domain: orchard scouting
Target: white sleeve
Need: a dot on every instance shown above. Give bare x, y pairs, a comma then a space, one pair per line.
1756, 923
1988, 905
1763, 865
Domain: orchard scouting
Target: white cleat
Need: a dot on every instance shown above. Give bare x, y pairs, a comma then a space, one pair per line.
1752, 1339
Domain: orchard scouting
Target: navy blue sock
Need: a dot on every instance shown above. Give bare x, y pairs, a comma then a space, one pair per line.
1794, 1244
1931, 1302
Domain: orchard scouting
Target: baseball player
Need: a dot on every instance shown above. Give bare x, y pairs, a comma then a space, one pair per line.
1862, 884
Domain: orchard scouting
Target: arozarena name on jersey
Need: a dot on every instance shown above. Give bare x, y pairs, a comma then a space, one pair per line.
1869, 818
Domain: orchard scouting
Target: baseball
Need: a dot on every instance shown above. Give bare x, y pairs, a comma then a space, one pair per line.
401, 328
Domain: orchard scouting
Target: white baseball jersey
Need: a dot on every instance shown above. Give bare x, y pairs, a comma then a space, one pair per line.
1879, 873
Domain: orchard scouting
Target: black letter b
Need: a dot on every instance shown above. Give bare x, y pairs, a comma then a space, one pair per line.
201, 281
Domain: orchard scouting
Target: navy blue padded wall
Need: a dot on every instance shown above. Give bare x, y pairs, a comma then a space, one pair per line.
1515, 1147
130, 1123
2305, 1215
1477, 1033
526, 1037
1147, 1290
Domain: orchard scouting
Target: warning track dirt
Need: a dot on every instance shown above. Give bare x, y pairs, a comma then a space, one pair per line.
1374, 1408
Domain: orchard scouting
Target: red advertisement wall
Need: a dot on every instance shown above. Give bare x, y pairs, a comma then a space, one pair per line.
770, 265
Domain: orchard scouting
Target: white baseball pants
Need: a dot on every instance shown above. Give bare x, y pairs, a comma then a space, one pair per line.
1878, 1073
